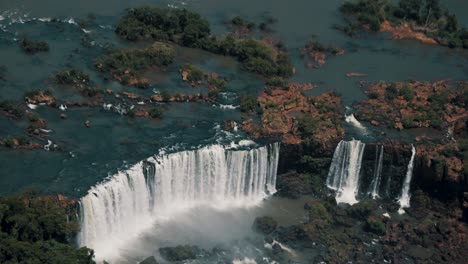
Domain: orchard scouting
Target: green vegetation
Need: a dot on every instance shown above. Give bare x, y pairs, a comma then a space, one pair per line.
179, 253
38, 230
315, 46
277, 82
12, 109
391, 92
375, 225
71, 77
33, 93
194, 74
317, 211
164, 24
189, 29
32, 47
425, 15
217, 82
155, 113
407, 92
126, 64
248, 104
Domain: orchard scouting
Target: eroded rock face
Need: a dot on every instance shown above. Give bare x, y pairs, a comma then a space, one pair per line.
41, 97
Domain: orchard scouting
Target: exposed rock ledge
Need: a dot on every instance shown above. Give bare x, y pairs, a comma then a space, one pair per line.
406, 31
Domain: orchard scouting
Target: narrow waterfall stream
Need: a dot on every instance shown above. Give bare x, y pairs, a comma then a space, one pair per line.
374, 187
404, 199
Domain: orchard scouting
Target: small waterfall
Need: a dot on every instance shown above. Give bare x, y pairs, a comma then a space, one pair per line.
404, 199
352, 120
114, 212
345, 170
375, 184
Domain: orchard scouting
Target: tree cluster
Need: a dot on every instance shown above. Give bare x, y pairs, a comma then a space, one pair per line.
426, 15
35, 230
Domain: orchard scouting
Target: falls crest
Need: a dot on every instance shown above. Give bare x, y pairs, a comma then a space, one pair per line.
344, 172
119, 209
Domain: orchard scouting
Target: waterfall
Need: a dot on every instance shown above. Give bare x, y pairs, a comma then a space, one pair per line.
374, 187
114, 212
352, 120
345, 170
404, 199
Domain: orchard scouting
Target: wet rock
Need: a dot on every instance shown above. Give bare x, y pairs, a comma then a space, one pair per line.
149, 260
229, 125
88, 123
265, 225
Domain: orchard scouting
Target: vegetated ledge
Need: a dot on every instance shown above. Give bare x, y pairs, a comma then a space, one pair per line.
315, 53
128, 65
401, 105
294, 118
189, 29
425, 21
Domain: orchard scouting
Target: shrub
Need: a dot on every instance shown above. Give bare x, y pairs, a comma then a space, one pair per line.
133, 62
238, 21
407, 92
72, 77
165, 96
32, 47
11, 108
155, 113
194, 74
391, 92
248, 104
276, 82
375, 225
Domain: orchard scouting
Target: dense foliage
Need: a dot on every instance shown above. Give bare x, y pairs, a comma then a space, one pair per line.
37, 230
164, 24
32, 46
189, 29
131, 63
425, 15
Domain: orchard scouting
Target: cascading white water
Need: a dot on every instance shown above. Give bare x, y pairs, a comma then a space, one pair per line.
114, 212
352, 120
374, 187
345, 170
404, 199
